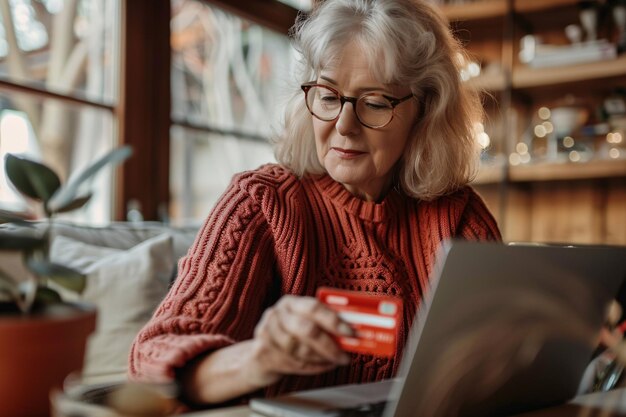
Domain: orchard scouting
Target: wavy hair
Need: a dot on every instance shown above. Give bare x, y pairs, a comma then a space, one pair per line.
407, 42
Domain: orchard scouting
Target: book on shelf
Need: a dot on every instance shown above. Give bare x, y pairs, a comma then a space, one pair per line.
553, 55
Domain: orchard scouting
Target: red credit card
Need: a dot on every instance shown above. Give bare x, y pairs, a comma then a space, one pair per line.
374, 318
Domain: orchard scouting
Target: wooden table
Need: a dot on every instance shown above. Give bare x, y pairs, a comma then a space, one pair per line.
603, 404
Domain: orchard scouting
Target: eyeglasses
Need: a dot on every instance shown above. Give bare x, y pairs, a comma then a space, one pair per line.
373, 110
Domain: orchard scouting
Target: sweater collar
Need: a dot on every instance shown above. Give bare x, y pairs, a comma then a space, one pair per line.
365, 210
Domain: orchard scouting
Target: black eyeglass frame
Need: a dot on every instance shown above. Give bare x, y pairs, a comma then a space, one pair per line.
343, 99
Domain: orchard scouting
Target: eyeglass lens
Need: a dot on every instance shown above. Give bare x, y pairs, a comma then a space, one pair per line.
373, 110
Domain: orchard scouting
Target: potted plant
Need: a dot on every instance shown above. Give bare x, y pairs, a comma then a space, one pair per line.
43, 338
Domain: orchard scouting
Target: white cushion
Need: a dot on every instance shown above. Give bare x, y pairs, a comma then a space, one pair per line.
126, 286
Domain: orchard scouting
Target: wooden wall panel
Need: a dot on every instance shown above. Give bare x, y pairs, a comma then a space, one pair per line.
577, 211
517, 224
568, 212
615, 220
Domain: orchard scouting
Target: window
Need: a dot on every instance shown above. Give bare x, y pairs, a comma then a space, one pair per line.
58, 89
228, 93
203, 100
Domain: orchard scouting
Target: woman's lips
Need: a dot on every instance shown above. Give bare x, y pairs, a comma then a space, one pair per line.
347, 153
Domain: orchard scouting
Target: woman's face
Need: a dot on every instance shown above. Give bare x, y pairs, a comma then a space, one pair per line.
361, 158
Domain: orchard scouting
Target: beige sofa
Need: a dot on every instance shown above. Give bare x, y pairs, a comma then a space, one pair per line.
129, 269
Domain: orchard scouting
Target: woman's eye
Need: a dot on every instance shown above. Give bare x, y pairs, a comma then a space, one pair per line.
376, 104
329, 98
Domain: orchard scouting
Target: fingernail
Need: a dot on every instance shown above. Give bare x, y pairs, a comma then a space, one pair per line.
345, 329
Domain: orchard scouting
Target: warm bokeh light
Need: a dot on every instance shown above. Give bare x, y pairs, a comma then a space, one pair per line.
514, 159
474, 69
614, 153
548, 126
568, 141
614, 137
521, 148
540, 131
483, 140
524, 158
574, 156
544, 113
482, 137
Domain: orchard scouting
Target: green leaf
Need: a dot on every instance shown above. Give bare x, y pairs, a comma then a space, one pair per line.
69, 192
74, 204
13, 240
62, 275
31, 178
47, 295
13, 217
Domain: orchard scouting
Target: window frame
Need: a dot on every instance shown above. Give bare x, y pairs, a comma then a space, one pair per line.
271, 14
143, 110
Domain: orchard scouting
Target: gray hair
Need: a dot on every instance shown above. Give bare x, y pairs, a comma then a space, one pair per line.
407, 42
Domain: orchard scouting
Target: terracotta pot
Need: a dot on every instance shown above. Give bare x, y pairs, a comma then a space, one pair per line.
37, 351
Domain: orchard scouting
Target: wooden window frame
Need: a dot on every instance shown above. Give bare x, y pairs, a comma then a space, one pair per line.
144, 111
144, 106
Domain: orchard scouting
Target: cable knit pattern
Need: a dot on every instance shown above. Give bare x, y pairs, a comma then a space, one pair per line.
273, 234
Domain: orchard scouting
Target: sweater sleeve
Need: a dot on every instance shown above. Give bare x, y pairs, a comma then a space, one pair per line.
477, 222
222, 288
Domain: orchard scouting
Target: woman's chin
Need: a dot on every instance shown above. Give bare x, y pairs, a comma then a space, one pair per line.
347, 177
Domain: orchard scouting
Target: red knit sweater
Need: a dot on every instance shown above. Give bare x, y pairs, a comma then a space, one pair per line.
273, 234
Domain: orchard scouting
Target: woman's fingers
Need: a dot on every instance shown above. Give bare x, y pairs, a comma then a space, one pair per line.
300, 332
313, 342
323, 316
290, 342
285, 340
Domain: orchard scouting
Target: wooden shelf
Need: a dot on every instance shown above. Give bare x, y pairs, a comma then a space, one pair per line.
482, 9
494, 82
524, 77
489, 174
527, 6
568, 171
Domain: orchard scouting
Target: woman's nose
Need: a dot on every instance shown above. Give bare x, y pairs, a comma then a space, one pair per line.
347, 122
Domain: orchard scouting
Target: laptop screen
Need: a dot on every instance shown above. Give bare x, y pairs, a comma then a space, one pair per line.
506, 328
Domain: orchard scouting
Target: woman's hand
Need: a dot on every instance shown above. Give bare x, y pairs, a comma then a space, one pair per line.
295, 337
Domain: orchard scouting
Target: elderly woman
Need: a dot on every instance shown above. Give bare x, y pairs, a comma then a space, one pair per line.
374, 163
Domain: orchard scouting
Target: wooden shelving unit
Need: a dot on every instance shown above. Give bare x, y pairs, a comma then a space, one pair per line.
489, 82
525, 77
486, 9
490, 174
561, 202
568, 171
476, 11
528, 6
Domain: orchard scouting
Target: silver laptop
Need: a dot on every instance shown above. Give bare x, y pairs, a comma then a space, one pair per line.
504, 329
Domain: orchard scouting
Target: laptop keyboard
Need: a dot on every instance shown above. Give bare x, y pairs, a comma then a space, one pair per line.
363, 410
